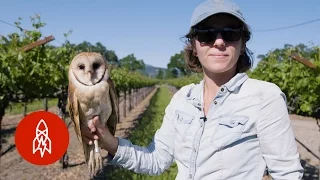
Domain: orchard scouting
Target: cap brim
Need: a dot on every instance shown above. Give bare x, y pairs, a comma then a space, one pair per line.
206, 15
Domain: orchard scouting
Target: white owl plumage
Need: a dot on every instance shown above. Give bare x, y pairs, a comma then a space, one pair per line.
91, 92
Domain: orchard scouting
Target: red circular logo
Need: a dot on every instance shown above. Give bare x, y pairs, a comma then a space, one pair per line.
42, 138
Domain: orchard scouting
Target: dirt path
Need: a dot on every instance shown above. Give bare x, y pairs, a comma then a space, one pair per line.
307, 135
12, 166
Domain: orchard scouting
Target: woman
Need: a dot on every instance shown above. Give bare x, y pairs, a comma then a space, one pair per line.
228, 126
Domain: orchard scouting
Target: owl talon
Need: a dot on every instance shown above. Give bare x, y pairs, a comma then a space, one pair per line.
97, 157
98, 160
91, 164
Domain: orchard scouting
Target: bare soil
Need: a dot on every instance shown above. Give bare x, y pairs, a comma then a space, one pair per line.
307, 136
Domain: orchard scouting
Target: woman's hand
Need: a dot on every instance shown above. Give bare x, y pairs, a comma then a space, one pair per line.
98, 131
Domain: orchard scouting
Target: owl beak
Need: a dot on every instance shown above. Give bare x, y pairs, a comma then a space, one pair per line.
89, 74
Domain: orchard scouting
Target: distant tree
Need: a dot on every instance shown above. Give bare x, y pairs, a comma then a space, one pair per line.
287, 46
109, 55
130, 62
261, 56
160, 74
177, 65
177, 61
173, 73
84, 46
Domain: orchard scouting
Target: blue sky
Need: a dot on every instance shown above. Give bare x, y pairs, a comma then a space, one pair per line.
152, 29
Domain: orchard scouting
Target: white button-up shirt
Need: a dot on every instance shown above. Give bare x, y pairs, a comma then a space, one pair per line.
246, 129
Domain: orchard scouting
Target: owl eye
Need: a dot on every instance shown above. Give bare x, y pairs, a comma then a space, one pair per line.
81, 66
95, 66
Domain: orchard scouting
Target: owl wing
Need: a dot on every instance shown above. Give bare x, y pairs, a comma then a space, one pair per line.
76, 115
114, 117
73, 107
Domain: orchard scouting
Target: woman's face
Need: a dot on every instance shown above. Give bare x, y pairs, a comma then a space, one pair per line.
218, 56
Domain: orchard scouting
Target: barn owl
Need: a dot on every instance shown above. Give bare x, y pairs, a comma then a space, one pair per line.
91, 92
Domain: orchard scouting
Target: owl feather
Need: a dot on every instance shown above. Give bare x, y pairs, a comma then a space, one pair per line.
91, 92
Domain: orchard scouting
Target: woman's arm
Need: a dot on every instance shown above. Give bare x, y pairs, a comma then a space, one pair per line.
277, 141
152, 160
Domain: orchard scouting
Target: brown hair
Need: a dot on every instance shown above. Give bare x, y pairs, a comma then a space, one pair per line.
192, 62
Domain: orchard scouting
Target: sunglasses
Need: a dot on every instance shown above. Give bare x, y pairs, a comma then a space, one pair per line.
209, 35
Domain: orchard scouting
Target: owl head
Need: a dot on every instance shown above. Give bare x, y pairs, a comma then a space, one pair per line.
89, 68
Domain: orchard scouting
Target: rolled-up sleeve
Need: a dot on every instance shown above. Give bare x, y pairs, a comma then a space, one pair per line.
156, 157
276, 137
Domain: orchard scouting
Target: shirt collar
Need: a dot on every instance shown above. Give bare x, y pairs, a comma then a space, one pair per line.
195, 93
236, 81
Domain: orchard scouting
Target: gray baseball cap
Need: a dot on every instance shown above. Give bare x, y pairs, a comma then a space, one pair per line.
211, 7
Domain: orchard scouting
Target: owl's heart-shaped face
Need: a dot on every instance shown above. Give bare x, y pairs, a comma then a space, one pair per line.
89, 68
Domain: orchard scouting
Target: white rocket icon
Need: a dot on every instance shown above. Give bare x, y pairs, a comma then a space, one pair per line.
42, 141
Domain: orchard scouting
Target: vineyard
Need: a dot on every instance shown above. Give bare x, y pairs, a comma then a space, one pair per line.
39, 75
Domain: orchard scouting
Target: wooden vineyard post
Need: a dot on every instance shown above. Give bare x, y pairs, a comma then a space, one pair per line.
306, 62
124, 105
37, 43
130, 99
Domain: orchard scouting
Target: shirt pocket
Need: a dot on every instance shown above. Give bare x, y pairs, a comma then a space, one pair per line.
183, 122
229, 130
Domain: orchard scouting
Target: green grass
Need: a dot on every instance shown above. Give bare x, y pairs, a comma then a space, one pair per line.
17, 108
142, 136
